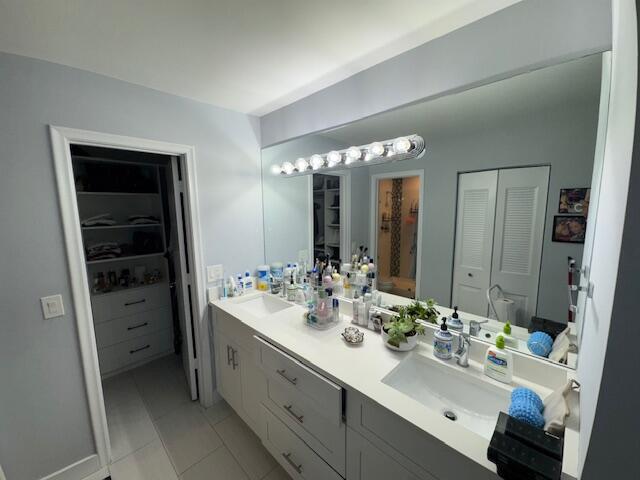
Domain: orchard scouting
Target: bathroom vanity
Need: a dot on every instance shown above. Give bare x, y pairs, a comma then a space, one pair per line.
328, 410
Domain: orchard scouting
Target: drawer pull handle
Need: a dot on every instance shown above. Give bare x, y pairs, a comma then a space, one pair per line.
234, 362
128, 304
287, 457
140, 349
294, 381
138, 326
229, 355
289, 408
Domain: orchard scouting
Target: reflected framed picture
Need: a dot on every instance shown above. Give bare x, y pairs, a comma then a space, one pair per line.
574, 200
569, 228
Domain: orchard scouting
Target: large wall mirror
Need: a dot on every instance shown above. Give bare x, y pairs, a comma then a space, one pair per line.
485, 219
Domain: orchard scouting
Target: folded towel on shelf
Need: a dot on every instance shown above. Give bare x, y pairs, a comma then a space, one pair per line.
102, 220
556, 409
143, 220
560, 348
103, 250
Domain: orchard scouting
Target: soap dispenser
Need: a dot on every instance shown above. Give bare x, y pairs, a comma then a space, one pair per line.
442, 342
498, 362
454, 323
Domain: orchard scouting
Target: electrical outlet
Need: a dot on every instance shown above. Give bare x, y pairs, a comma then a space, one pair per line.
214, 273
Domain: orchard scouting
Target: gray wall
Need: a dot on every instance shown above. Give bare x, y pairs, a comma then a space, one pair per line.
44, 420
527, 34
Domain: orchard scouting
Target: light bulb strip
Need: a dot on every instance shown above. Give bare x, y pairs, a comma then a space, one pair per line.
312, 163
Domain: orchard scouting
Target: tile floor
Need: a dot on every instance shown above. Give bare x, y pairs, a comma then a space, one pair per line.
158, 433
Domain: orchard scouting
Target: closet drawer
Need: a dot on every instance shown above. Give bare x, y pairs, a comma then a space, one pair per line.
128, 302
319, 432
284, 368
132, 326
293, 454
135, 350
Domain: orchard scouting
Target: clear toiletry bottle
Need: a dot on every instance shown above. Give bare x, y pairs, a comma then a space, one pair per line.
291, 289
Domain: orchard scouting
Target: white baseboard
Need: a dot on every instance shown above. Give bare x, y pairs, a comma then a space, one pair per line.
85, 469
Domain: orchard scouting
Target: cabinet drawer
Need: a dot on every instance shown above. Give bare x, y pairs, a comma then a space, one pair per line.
132, 326
129, 352
128, 302
293, 454
319, 432
326, 395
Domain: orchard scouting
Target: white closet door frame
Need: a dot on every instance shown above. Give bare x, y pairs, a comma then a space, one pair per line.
61, 140
373, 217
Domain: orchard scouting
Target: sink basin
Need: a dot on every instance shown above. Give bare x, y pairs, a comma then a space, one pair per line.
263, 305
457, 396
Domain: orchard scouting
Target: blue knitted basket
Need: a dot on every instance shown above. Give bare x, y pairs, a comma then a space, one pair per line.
540, 344
527, 395
526, 412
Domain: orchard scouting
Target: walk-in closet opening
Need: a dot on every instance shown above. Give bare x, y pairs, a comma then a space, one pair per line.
131, 210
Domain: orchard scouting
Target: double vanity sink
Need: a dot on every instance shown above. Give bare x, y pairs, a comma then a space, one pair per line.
408, 415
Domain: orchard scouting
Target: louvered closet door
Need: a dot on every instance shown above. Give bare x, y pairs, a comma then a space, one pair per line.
519, 230
474, 239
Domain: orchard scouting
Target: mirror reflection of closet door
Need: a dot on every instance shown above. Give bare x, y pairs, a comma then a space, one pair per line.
474, 240
499, 235
519, 230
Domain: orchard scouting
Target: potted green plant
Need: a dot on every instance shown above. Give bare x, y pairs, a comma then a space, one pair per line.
402, 330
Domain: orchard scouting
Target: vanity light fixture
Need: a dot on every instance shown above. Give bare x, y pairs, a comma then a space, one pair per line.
288, 168
317, 162
353, 154
395, 149
333, 158
302, 164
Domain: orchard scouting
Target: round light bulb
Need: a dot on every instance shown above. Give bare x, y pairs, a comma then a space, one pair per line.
401, 145
334, 158
353, 155
276, 169
316, 161
376, 149
302, 164
288, 168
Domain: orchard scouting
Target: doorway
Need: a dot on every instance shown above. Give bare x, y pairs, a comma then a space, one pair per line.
130, 218
397, 231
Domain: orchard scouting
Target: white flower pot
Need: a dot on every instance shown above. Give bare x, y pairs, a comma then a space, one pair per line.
410, 344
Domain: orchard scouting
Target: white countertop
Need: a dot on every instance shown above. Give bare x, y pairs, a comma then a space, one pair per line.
363, 367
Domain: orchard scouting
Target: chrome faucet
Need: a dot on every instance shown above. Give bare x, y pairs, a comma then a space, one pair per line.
462, 354
474, 327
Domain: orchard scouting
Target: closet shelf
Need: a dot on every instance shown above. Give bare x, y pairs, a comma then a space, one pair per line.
334, 225
333, 208
121, 259
124, 194
122, 289
335, 245
109, 227
332, 190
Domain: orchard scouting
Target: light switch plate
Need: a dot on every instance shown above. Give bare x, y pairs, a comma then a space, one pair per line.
214, 273
52, 306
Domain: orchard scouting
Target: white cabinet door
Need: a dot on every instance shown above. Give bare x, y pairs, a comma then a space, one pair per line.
254, 387
366, 462
228, 369
519, 230
474, 240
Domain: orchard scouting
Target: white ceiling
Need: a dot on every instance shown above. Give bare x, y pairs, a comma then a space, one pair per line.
252, 56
